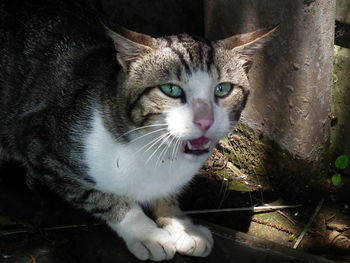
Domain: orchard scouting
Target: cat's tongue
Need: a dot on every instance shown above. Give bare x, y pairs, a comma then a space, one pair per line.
199, 142
198, 146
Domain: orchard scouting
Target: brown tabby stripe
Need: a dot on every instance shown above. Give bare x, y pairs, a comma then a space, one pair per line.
179, 54
189, 51
246, 94
210, 55
178, 73
84, 196
182, 60
190, 56
199, 50
146, 119
101, 210
134, 103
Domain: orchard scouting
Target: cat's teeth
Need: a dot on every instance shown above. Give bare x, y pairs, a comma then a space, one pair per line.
189, 146
204, 147
207, 145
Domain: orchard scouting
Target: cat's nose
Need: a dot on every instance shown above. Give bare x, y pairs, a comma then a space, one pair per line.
203, 124
203, 116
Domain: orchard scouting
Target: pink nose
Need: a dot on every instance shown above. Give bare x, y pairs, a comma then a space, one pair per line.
203, 124
203, 116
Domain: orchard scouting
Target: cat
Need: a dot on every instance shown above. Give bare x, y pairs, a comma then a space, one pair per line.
114, 121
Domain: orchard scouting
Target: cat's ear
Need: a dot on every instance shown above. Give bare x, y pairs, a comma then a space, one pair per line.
130, 45
248, 43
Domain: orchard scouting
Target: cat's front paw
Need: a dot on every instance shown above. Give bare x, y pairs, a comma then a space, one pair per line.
157, 245
191, 240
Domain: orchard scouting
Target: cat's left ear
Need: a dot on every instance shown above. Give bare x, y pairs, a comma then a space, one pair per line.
248, 43
130, 45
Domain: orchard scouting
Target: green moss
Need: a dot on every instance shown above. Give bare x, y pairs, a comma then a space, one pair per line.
266, 164
239, 186
221, 173
340, 139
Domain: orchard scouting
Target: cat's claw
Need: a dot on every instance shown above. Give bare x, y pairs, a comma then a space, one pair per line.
191, 240
157, 246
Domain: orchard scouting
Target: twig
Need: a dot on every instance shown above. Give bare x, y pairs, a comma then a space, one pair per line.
254, 209
297, 242
53, 228
10, 233
71, 226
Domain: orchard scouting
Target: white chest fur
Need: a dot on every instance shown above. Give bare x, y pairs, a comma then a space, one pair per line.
125, 170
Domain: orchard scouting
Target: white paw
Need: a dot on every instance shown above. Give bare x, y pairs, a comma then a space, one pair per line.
143, 238
157, 245
192, 240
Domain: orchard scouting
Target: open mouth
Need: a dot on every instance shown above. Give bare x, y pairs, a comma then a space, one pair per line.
197, 146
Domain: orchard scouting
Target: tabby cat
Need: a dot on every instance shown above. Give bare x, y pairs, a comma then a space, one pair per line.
113, 120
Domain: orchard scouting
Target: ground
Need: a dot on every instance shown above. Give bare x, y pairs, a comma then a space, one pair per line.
247, 170
37, 227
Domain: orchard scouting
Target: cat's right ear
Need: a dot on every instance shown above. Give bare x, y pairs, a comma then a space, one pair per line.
130, 45
247, 44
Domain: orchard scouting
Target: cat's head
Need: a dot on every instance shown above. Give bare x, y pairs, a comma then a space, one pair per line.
184, 90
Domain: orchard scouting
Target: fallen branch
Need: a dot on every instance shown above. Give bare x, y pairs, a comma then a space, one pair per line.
301, 236
53, 228
253, 208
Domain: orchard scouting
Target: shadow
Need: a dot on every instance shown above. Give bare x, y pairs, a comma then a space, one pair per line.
158, 17
207, 193
39, 208
25, 219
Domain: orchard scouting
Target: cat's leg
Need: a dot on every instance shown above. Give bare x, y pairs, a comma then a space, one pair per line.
190, 239
141, 234
143, 237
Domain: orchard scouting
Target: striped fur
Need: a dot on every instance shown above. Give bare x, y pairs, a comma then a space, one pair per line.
81, 107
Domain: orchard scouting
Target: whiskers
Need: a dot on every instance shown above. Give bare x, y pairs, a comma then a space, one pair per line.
144, 127
156, 145
165, 137
163, 150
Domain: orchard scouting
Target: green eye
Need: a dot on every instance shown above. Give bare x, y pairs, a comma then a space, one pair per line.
223, 89
171, 90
